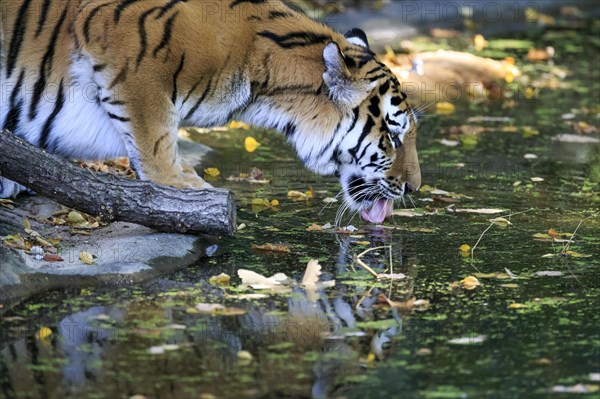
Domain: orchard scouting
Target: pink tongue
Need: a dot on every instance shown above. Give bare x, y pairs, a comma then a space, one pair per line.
378, 212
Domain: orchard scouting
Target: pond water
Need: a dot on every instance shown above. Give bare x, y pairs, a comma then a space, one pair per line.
531, 329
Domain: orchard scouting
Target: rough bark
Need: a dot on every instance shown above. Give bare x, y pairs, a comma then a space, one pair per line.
113, 198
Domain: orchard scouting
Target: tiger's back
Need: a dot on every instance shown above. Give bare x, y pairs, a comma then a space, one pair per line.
97, 79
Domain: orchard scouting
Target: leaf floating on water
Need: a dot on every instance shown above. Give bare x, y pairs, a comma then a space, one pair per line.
53, 258
502, 222
516, 306
445, 108
211, 173
482, 211
330, 200
26, 224
509, 285
579, 388
43, 333
272, 248
260, 282
465, 249
250, 144
238, 125
312, 273
208, 307
477, 339
537, 179
549, 273
222, 279
297, 195
470, 283
394, 276
86, 258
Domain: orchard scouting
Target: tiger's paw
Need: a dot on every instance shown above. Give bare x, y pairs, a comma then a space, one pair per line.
10, 189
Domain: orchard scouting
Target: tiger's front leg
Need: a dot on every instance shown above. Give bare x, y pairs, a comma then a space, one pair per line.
150, 132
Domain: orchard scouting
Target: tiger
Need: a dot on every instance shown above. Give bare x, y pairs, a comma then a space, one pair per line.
101, 79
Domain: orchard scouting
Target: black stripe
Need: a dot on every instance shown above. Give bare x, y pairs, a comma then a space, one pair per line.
366, 130
200, 100
99, 67
328, 146
88, 20
167, 7
43, 16
194, 87
46, 66
279, 14
16, 40
166, 135
166, 34
289, 130
121, 76
60, 102
118, 118
374, 107
179, 68
12, 119
296, 39
116, 102
238, 2
143, 36
121, 7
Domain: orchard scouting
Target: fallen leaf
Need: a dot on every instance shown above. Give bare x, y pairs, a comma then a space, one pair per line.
43, 333
75, 218
477, 339
297, 195
6, 203
445, 107
250, 144
211, 173
549, 273
502, 222
53, 258
509, 285
312, 273
86, 258
579, 388
516, 306
314, 227
222, 279
238, 125
470, 283
537, 179
26, 224
330, 200
208, 307
465, 248
394, 276
272, 248
244, 356
260, 282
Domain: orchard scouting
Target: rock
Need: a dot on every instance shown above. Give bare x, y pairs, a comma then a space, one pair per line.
123, 253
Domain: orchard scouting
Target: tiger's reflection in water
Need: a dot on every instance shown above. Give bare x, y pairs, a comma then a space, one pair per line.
300, 347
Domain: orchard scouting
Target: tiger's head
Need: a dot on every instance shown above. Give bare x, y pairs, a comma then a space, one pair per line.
375, 155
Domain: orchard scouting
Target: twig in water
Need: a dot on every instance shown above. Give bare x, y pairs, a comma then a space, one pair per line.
490, 226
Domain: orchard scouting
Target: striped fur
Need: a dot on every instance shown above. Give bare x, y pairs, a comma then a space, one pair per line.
97, 79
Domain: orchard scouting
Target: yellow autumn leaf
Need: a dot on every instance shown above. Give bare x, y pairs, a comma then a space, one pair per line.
251, 144
479, 42
212, 172
261, 202
445, 107
86, 258
43, 332
221, 279
470, 283
238, 125
274, 202
465, 248
502, 222
26, 224
516, 306
296, 195
75, 218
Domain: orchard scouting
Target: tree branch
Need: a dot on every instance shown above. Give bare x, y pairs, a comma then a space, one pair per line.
114, 198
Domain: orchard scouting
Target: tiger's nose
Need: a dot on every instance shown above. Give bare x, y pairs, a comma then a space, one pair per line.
409, 189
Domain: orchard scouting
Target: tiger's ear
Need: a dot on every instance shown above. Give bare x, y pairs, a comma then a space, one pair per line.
344, 88
358, 37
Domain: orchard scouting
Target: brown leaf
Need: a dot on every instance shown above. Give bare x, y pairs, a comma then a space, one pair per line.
48, 257
272, 248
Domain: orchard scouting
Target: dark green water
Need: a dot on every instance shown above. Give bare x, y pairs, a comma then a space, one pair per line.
339, 344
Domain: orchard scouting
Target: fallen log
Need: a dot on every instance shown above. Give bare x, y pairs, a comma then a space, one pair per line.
113, 198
